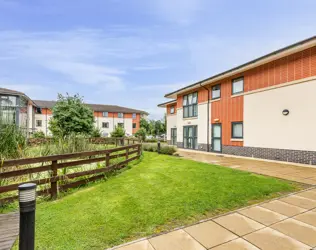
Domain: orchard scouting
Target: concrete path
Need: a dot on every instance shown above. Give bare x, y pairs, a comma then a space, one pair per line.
285, 223
9, 230
290, 171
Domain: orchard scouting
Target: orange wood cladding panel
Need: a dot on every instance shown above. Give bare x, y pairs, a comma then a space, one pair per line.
137, 121
46, 111
227, 110
169, 108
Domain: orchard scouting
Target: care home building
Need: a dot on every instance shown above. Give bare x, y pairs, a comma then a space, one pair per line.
107, 117
265, 108
34, 115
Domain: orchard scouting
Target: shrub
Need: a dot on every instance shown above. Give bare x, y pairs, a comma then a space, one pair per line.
168, 150
38, 134
96, 133
12, 141
118, 132
164, 149
141, 134
151, 140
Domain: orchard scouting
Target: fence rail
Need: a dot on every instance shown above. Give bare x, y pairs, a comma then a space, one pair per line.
122, 155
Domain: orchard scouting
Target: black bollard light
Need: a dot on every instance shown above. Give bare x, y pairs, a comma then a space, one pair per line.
158, 148
27, 202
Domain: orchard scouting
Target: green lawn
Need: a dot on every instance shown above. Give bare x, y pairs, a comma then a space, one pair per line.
160, 193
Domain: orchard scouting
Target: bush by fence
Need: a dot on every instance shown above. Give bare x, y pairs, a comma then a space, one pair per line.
164, 149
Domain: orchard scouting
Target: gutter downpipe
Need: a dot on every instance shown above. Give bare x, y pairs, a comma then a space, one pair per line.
208, 117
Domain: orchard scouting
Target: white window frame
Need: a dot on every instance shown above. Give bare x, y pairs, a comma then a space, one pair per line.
235, 81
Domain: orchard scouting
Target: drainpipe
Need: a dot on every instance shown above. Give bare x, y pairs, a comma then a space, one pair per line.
208, 117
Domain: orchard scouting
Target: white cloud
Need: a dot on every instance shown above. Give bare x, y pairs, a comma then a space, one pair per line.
85, 56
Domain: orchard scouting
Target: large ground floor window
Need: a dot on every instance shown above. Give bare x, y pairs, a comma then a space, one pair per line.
190, 137
173, 136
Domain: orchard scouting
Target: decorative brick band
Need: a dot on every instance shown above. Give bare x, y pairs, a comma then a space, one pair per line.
297, 156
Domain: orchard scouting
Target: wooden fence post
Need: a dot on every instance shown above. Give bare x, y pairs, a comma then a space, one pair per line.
53, 185
126, 155
116, 142
107, 160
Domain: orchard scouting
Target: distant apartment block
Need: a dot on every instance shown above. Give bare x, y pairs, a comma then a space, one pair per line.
264, 108
34, 115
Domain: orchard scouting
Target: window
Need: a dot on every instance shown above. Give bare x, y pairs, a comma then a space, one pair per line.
105, 114
134, 115
237, 130
105, 125
216, 91
120, 115
38, 111
190, 137
134, 125
172, 110
238, 85
174, 136
190, 105
38, 123
120, 125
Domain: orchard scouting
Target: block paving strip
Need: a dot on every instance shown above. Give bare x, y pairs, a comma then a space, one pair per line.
284, 223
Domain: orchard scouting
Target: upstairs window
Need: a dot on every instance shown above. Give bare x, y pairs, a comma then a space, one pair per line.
134, 115
237, 130
238, 85
120, 115
105, 125
105, 114
190, 108
38, 123
38, 111
216, 91
172, 110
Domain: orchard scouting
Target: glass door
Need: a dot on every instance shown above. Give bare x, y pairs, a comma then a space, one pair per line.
173, 136
217, 137
190, 137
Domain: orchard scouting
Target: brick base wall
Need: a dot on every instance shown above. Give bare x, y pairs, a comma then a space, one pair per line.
296, 156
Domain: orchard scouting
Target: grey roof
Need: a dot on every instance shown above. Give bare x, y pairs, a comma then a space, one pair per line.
196, 84
10, 92
94, 107
162, 105
5, 91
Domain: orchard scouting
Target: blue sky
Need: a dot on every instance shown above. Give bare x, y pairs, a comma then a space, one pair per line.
132, 52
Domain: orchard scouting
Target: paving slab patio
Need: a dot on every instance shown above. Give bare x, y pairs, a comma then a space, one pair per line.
290, 171
285, 223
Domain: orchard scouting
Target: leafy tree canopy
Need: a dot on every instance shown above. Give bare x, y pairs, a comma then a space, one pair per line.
71, 116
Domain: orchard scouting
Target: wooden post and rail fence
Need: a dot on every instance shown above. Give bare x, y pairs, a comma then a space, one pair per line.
113, 159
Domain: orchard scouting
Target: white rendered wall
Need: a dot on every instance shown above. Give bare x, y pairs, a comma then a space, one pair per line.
266, 126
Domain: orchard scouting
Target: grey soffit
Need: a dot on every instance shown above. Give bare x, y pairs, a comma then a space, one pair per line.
94, 107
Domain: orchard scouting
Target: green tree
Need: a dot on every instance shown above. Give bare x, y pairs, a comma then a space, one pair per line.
118, 132
145, 125
71, 116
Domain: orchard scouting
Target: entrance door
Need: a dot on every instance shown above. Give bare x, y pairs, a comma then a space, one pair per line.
174, 136
190, 137
217, 137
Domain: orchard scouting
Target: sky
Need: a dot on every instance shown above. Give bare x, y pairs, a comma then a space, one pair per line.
132, 52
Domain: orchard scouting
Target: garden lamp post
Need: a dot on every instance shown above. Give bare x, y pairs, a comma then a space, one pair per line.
158, 148
27, 201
